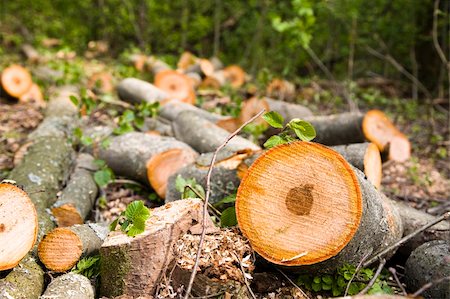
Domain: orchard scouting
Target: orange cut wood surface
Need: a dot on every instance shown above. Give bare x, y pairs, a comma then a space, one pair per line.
235, 75
373, 165
178, 86
18, 225
34, 96
299, 204
16, 80
67, 215
251, 107
60, 249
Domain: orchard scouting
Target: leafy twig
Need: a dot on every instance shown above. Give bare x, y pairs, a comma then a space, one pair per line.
374, 278
208, 192
406, 238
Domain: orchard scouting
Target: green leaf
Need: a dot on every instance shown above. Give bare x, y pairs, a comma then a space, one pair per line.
341, 281
74, 100
228, 217
348, 275
326, 287
180, 183
353, 289
100, 163
105, 143
327, 279
128, 116
317, 279
86, 140
274, 141
303, 129
89, 266
103, 177
336, 291
316, 286
113, 225
77, 132
139, 122
375, 289
138, 227
274, 119
137, 211
228, 199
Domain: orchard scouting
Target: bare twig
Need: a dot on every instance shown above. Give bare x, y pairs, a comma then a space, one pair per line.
394, 273
429, 285
374, 278
406, 238
216, 211
357, 271
243, 274
208, 192
293, 283
435, 36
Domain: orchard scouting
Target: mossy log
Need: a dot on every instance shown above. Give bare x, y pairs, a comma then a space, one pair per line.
204, 136
319, 212
364, 156
429, 263
373, 126
136, 91
63, 247
18, 225
77, 198
24, 281
147, 158
225, 177
69, 286
414, 219
135, 265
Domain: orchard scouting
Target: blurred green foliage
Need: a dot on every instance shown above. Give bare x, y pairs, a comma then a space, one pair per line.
265, 34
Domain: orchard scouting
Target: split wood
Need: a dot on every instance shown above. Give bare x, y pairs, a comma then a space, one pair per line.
406, 238
205, 206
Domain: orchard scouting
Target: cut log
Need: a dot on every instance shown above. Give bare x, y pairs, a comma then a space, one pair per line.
16, 80
63, 247
364, 156
134, 266
429, 263
204, 136
136, 91
235, 75
303, 206
177, 86
251, 107
139, 61
46, 74
195, 78
155, 65
186, 60
281, 89
147, 158
373, 126
414, 219
214, 81
34, 96
101, 82
69, 286
30, 53
24, 281
78, 197
225, 177
18, 225
218, 65
159, 126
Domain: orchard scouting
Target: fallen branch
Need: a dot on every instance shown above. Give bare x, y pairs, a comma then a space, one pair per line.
374, 278
205, 206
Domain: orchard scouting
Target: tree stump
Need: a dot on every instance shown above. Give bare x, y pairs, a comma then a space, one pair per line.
63, 247
303, 206
18, 225
134, 266
147, 158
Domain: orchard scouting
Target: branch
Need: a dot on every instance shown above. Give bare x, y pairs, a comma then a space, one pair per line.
208, 192
243, 274
374, 278
293, 283
394, 273
435, 36
406, 238
356, 271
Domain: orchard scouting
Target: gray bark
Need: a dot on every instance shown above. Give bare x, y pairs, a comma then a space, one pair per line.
69, 286
136, 91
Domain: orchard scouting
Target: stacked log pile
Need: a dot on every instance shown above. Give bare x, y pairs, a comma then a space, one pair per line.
286, 196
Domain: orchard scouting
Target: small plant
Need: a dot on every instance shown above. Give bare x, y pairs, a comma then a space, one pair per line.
303, 130
228, 217
88, 266
104, 175
185, 186
337, 283
84, 140
134, 119
84, 103
132, 220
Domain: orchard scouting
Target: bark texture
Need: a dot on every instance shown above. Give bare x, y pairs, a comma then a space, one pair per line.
288, 110
69, 286
136, 91
204, 136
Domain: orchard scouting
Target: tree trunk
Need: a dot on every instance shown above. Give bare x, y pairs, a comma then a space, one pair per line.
63, 247
303, 206
134, 266
427, 264
146, 158
78, 197
18, 225
204, 136
69, 286
135, 91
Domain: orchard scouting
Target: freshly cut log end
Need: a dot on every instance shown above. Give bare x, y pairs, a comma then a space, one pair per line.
206, 66
102, 82
210, 83
186, 60
34, 96
380, 130
178, 86
161, 166
16, 80
235, 75
288, 201
60, 249
18, 225
251, 107
373, 165
67, 215
281, 89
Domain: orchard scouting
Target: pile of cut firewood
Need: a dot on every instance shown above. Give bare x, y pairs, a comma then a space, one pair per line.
310, 207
